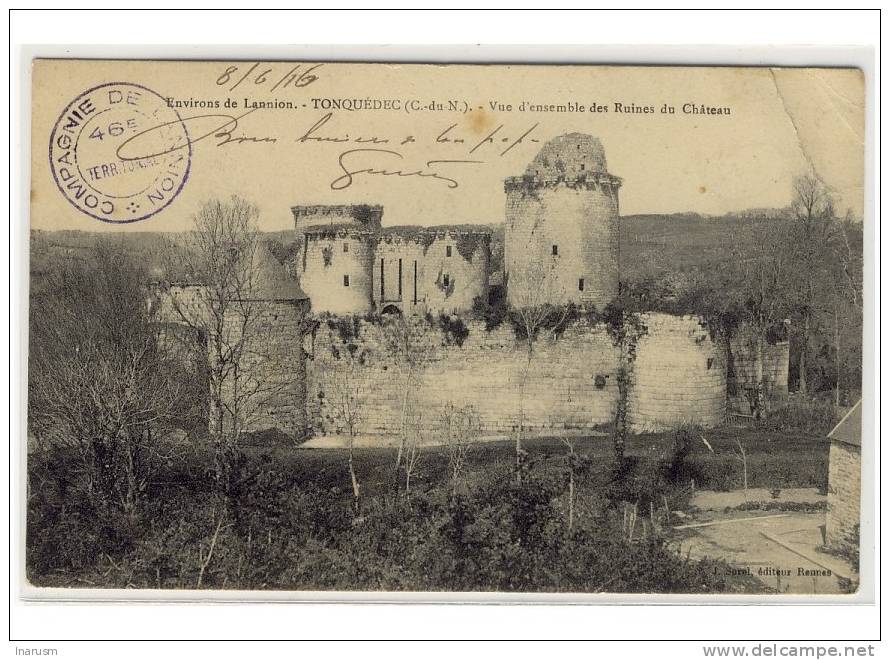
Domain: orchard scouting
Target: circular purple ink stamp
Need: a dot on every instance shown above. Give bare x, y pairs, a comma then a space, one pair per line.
119, 153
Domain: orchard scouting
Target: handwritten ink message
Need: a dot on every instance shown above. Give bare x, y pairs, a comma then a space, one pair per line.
438, 152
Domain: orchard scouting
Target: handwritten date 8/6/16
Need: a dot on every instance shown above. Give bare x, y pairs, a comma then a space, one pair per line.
271, 77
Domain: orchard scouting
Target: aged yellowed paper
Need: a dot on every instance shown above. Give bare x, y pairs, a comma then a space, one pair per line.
320, 326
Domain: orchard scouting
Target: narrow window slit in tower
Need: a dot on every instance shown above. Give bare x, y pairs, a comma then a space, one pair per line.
581, 284
555, 250
346, 280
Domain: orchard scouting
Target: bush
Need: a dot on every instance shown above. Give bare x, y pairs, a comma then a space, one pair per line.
280, 534
805, 507
494, 312
658, 476
813, 415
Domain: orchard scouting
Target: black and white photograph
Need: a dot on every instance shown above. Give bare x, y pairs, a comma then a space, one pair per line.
335, 327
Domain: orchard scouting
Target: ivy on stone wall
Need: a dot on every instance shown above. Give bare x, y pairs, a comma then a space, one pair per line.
348, 327
619, 436
412, 233
364, 214
530, 185
720, 314
448, 288
467, 239
453, 328
625, 328
467, 244
494, 313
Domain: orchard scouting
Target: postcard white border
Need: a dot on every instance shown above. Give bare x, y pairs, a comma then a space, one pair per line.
858, 56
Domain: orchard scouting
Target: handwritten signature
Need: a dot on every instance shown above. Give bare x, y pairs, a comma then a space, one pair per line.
349, 171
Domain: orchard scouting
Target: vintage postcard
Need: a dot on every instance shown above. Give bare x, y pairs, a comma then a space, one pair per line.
369, 327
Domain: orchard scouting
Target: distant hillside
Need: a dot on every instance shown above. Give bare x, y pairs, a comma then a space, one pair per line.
655, 244
650, 244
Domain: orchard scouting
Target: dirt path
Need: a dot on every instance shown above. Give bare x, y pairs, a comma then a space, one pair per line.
383, 441
779, 548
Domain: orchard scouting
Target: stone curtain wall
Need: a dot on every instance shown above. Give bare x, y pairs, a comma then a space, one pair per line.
844, 483
581, 219
742, 370
485, 372
467, 277
678, 376
571, 381
391, 248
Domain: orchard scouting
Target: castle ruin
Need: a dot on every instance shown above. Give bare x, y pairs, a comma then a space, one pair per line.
561, 246
350, 264
561, 226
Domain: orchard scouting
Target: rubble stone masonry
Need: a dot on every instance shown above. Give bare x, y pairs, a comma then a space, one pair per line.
677, 377
845, 481
742, 372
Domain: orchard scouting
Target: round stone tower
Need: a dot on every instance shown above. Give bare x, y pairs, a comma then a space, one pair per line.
271, 382
337, 244
678, 376
336, 268
561, 226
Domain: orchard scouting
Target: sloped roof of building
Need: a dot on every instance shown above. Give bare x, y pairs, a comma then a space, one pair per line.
272, 281
849, 429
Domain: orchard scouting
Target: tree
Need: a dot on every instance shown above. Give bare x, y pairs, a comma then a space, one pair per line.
536, 287
346, 400
99, 383
848, 252
413, 450
405, 341
847, 307
753, 290
458, 428
218, 257
813, 231
573, 462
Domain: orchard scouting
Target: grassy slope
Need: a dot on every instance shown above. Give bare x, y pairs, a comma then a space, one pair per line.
775, 460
